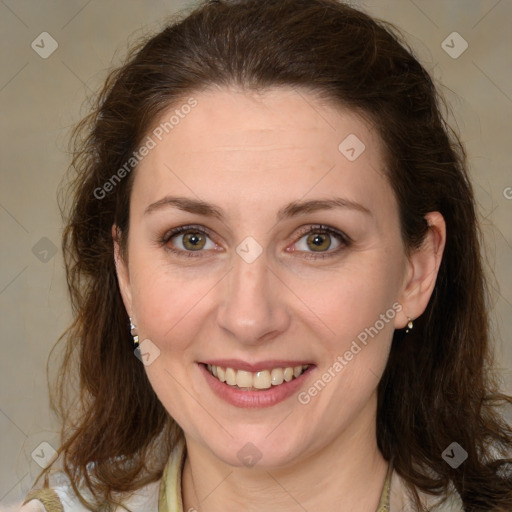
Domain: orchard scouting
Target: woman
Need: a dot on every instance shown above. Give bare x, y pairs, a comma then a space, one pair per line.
269, 202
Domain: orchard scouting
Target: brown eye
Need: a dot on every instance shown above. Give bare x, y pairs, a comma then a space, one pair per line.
322, 240
193, 241
187, 241
318, 241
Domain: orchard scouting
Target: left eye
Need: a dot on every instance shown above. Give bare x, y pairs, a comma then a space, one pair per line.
320, 240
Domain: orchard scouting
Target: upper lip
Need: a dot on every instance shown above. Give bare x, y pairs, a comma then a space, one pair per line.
238, 364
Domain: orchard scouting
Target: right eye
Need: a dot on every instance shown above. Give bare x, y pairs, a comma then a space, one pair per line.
189, 240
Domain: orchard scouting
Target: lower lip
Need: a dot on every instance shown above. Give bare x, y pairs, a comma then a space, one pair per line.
254, 399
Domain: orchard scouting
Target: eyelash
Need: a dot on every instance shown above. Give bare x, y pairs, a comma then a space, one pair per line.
344, 239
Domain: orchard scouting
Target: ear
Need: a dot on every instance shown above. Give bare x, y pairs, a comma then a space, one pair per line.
123, 275
421, 275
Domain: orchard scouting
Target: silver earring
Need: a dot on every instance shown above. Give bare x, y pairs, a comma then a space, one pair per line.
135, 337
410, 325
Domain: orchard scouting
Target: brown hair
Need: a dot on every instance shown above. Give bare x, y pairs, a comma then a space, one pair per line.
437, 387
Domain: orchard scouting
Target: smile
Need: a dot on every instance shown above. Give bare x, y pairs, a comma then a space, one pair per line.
253, 381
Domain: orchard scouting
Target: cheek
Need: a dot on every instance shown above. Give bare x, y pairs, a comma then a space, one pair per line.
359, 305
359, 308
166, 300
354, 296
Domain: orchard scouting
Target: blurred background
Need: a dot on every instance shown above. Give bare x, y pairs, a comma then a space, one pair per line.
56, 54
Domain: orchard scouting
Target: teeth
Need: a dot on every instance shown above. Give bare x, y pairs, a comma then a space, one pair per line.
230, 377
276, 376
243, 379
263, 379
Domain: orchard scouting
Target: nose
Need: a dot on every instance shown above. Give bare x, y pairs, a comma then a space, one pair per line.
253, 306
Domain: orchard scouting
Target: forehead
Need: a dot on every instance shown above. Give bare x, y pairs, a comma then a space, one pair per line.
279, 141
273, 119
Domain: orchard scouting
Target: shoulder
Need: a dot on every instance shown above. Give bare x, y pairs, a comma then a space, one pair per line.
400, 500
61, 498
52, 499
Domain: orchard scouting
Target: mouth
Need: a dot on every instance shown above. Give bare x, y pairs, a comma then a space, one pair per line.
260, 380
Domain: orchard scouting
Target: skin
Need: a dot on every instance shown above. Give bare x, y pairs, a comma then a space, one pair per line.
251, 154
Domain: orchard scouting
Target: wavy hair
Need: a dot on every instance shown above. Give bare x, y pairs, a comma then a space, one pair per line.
438, 386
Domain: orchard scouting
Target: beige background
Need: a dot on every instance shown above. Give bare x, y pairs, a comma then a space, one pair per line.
42, 98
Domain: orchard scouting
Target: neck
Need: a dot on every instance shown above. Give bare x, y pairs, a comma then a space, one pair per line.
346, 474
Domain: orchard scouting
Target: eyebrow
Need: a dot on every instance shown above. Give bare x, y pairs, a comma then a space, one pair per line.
293, 209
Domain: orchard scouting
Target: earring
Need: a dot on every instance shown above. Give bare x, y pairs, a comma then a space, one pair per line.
410, 325
135, 337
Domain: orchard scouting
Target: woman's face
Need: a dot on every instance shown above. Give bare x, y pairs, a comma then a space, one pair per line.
267, 276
